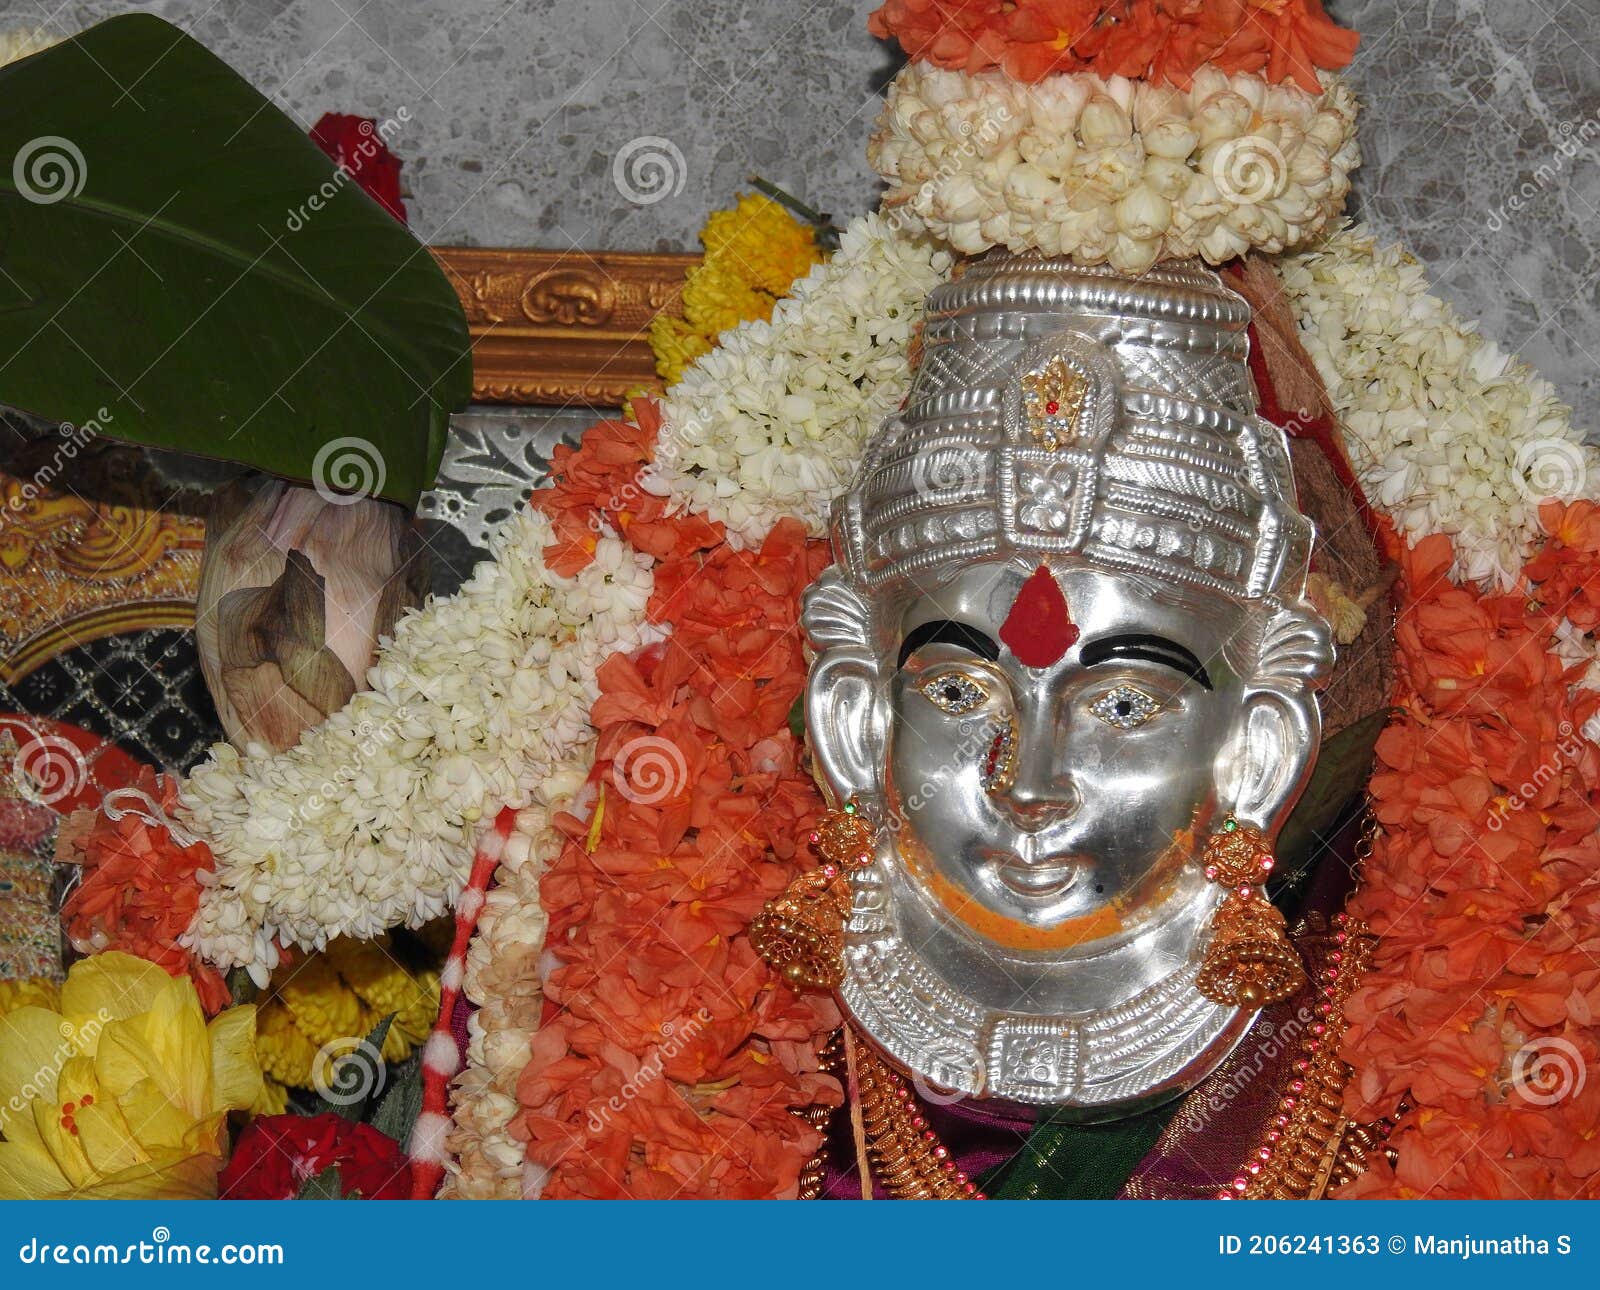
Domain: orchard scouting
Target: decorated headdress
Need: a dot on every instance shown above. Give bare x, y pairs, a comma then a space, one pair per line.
1068, 410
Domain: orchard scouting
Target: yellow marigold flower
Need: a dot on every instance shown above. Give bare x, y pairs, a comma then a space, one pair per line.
31, 992
761, 243
123, 1090
754, 253
386, 987
342, 994
323, 1006
286, 1054
676, 344
716, 299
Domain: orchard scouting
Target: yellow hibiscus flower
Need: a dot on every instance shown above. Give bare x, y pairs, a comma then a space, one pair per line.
122, 1090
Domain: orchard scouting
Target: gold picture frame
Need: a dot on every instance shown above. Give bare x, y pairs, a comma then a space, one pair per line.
562, 327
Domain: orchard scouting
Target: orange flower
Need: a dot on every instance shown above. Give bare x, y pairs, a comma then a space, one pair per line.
139, 890
1153, 40
671, 1058
1482, 1009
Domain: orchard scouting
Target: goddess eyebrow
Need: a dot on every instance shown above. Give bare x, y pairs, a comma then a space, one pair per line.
946, 631
1150, 649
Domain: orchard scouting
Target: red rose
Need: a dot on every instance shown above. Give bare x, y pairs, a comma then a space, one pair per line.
276, 1154
355, 143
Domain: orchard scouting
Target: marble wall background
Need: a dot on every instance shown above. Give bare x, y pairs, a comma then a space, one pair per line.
1482, 134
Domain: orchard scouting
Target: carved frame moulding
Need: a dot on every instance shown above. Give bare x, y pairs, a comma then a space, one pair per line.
562, 327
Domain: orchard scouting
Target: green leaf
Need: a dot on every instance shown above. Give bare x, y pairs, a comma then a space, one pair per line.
797, 718
325, 1186
181, 266
357, 1077
401, 1105
1343, 767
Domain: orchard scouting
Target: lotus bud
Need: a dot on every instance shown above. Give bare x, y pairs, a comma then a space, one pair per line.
1222, 116
295, 591
1133, 256
1028, 187
1104, 124
1166, 176
1171, 138
959, 200
1143, 215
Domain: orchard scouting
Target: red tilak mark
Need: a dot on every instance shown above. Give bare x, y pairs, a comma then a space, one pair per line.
1039, 629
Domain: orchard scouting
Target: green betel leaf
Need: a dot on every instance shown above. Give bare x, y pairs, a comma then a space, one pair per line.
397, 1113
1343, 767
181, 266
348, 1081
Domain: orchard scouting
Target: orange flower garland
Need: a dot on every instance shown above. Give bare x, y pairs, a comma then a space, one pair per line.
675, 1059
1482, 1011
1153, 40
140, 889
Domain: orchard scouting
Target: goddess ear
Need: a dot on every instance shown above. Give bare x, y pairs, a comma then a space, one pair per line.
1267, 764
846, 718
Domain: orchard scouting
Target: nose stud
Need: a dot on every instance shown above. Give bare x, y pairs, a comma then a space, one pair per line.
999, 768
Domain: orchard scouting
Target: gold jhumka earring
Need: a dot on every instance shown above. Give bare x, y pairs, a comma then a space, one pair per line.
801, 933
1249, 962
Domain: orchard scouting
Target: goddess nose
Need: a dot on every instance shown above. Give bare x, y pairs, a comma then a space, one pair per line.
1041, 791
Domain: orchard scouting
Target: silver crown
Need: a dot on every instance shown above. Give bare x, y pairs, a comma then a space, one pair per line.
1062, 409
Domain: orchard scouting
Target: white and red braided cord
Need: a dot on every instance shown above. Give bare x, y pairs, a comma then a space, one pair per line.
441, 1059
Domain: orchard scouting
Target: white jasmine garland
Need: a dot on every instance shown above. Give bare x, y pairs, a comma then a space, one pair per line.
1113, 171
772, 421
371, 820
1447, 432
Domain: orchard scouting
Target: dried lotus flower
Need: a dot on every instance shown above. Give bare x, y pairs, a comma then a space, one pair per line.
295, 592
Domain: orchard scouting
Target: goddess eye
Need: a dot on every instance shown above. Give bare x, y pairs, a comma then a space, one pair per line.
1125, 707
953, 692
